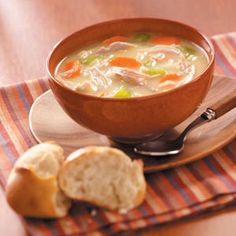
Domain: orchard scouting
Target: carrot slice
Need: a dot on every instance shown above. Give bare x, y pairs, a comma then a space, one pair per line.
115, 39
167, 87
124, 62
172, 77
71, 70
165, 40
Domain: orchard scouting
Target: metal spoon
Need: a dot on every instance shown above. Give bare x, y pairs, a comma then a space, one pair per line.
172, 147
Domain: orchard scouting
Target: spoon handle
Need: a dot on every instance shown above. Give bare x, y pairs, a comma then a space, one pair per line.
221, 107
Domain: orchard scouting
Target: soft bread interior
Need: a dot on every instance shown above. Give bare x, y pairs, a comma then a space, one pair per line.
44, 159
103, 176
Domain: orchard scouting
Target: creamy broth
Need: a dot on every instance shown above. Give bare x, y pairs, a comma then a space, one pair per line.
139, 65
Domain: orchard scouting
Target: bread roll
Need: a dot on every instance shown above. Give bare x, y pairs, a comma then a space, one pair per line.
105, 177
32, 188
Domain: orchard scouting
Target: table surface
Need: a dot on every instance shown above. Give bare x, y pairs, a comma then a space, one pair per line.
29, 29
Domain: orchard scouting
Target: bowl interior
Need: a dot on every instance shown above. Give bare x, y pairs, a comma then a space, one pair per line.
104, 30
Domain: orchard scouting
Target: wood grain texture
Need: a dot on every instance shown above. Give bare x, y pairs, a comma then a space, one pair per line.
200, 142
10, 223
29, 29
225, 104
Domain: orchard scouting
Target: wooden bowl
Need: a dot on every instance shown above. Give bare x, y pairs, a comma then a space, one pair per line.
138, 118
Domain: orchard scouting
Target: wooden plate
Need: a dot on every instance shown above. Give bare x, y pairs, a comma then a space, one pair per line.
49, 122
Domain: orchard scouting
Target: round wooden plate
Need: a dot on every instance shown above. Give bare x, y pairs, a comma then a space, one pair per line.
48, 122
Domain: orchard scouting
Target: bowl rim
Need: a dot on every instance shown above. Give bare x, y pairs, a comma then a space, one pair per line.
132, 99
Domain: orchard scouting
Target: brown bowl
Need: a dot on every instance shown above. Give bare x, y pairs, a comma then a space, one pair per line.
131, 119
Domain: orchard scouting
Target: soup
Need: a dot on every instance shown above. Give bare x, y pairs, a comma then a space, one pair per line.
132, 66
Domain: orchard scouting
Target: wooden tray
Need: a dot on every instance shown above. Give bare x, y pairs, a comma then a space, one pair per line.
48, 121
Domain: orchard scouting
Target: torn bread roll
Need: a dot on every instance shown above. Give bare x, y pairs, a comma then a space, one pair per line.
32, 188
103, 176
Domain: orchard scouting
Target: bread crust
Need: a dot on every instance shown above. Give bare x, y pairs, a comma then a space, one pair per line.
142, 193
35, 196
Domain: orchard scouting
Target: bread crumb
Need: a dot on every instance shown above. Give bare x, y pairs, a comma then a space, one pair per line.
93, 212
123, 211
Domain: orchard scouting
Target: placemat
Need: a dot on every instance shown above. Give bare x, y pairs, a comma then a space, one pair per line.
196, 188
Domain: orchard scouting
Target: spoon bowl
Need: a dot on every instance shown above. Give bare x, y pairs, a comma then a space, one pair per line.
159, 148
173, 147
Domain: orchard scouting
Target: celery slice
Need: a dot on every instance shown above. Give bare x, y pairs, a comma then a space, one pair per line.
188, 50
154, 72
122, 93
141, 37
149, 63
90, 59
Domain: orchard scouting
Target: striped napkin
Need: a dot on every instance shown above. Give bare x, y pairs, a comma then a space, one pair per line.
173, 194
